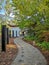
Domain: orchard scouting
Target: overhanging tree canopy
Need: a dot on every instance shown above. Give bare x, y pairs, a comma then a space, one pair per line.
32, 11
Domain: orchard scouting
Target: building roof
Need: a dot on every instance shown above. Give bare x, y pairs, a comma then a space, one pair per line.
12, 25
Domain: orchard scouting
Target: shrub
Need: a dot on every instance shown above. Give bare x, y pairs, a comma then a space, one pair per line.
44, 45
29, 38
44, 36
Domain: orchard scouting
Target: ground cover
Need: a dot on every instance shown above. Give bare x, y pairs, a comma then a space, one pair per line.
7, 57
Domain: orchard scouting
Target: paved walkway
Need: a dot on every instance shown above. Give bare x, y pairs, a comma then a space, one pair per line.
28, 55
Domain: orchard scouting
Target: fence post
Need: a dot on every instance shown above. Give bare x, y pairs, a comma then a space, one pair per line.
3, 37
7, 36
10, 33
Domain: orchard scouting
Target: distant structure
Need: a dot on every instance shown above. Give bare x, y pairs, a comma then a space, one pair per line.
14, 31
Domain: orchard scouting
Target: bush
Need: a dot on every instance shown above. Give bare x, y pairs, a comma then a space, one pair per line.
29, 38
44, 45
44, 36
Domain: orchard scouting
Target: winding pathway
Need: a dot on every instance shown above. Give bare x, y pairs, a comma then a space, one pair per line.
27, 54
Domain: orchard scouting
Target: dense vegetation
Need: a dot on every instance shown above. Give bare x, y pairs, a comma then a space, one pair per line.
32, 15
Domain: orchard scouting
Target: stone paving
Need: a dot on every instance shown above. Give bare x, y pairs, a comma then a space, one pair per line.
28, 55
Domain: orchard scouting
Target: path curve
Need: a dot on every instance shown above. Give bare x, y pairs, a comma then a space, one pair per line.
27, 54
